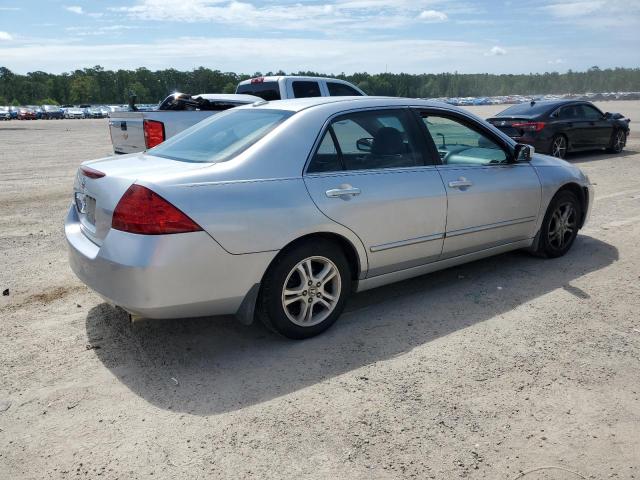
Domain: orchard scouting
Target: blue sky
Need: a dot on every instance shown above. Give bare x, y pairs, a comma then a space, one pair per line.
329, 36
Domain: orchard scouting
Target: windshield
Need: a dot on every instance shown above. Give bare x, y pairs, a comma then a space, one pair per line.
222, 137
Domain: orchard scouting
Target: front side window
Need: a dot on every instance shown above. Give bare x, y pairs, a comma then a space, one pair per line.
368, 140
341, 90
222, 137
590, 113
459, 144
303, 89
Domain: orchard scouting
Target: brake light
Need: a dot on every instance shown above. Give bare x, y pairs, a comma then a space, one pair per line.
153, 133
144, 212
529, 126
91, 172
257, 80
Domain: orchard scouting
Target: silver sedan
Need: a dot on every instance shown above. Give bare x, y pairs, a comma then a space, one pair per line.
280, 210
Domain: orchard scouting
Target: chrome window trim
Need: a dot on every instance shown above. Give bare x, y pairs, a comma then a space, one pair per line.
371, 171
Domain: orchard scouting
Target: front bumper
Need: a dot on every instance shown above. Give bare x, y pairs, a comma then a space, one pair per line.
164, 276
591, 197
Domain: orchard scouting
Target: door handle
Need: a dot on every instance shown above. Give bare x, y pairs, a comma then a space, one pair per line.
345, 190
460, 183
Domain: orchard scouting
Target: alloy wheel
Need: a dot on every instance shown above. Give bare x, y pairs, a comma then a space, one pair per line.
562, 226
311, 291
559, 147
618, 143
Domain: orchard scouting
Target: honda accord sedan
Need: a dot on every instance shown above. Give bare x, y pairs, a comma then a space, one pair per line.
280, 210
558, 127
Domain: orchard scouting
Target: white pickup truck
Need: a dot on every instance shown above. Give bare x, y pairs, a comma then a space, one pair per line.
136, 131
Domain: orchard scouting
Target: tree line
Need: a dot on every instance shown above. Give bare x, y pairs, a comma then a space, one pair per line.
99, 86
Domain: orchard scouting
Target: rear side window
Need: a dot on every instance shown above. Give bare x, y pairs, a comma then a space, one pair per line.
222, 137
303, 89
368, 140
341, 90
265, 90
570, 111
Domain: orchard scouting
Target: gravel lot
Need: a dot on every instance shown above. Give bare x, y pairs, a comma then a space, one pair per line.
481, 371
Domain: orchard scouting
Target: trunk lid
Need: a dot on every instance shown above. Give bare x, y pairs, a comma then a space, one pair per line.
504, 124
96, 198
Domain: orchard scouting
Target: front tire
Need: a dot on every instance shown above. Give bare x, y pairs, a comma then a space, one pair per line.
618, 141
304, 291
559, 146
560, 225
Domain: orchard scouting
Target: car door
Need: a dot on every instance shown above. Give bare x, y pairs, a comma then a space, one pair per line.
491, 199
371, 173
570, 125
597, 130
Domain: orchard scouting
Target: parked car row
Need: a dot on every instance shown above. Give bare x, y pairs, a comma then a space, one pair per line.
513, 99
55, 112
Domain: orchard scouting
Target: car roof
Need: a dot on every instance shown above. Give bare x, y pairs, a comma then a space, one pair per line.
346, 103
276, 78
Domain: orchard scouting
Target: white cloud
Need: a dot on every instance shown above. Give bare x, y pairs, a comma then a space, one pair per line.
557, 61
433, 16
496, 51
75, 9
334, 16
574, 9
5, 35
594, 14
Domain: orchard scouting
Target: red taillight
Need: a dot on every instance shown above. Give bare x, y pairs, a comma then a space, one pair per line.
91, 172
143, 211
153, 132
257, 80
529, 126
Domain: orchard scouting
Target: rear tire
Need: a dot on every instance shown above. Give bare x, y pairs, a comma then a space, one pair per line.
618, 141
560, 225
559, 146
305, 289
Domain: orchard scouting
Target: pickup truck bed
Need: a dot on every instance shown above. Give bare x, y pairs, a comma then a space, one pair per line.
127, 129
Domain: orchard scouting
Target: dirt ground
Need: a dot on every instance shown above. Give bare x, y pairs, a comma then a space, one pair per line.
482, 371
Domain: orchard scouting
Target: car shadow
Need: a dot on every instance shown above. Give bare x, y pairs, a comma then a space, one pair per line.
211, 365
596, 155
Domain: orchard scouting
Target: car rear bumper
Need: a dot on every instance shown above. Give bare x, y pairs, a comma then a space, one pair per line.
164, 276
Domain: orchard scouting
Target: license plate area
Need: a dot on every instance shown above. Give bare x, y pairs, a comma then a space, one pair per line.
86, 206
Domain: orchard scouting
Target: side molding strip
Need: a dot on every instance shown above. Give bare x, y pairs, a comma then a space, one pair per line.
404, 243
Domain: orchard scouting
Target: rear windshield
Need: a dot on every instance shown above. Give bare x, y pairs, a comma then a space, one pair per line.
221, 137
526, 109
266, 90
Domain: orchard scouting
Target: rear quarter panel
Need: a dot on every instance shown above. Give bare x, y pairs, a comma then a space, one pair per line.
256, 215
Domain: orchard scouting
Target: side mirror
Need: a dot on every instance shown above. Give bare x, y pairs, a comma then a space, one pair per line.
364, 144
523, 152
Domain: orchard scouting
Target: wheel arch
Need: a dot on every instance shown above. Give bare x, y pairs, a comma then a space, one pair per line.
349, 249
